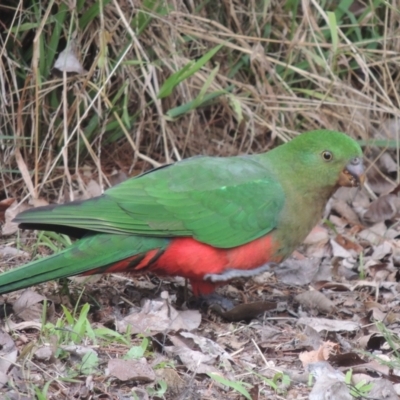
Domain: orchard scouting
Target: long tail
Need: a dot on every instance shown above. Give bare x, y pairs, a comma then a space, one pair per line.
100, 253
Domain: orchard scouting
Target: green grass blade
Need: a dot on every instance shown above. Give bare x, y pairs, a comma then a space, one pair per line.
200, 97
334, 30
187, 71
238, 386
92, 13
52, 48
189, 106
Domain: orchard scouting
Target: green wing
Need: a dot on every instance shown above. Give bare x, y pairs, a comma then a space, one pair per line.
224, 202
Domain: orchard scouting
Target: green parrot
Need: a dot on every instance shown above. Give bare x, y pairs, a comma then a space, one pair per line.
207, 219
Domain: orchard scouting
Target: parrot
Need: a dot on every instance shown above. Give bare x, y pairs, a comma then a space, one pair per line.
207, 219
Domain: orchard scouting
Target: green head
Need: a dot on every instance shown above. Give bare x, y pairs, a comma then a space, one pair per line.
326, 158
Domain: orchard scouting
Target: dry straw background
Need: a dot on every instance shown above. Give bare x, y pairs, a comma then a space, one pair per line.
282, 68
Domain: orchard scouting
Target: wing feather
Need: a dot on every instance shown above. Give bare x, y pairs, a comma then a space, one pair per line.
224, 202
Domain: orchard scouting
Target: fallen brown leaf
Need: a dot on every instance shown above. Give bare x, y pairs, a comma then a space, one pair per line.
29, 306
321, 354
135, 370
194, 360
385, 207
348, 244
315, 300
159, 316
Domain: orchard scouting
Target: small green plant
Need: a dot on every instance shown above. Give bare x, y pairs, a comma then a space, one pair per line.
110, 336
187, 71
279, 382
238, 386
89, 364
137, 352
165, 364
54, 241
74, 328
393, 341
361, 389
159, 390
41, 393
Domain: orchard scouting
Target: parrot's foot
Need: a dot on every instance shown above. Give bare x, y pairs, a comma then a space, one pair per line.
210, 301
230, 273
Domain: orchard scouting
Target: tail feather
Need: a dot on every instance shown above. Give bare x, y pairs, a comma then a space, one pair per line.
84, 256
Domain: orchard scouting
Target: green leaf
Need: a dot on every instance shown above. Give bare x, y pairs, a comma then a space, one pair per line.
347, 378
188, 70
236, 106
270, 383
109, 334
42, 394
92, 12
238, 386
90, 362
159, 391
28, 26
89, 332
52, 47
189, 106
136, 352
125, 112
80, 326
68, 315
334, 30
199, 99
144, 16
5, 137
42, 59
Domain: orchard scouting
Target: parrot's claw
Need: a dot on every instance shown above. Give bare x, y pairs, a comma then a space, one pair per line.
212, 300
231, 273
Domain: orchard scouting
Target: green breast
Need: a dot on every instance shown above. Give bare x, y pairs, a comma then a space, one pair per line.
301, 212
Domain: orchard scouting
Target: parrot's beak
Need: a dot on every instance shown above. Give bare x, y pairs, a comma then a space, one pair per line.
353, 175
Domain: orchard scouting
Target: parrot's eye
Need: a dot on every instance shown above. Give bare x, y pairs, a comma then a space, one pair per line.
327, 155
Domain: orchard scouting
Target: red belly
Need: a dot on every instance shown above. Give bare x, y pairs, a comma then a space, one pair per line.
191, 259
